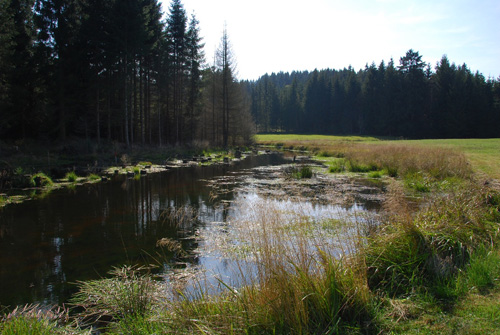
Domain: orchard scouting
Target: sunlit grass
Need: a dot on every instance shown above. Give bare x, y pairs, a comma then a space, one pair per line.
483, 154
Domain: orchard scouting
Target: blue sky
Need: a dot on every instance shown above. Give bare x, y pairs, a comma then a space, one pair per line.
286, 35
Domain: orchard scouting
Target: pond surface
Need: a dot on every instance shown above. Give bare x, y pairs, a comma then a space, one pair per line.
70, 235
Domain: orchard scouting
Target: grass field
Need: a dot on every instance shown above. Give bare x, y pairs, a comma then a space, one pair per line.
483, 154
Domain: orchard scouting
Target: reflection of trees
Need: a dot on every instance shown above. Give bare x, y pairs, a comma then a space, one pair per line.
80, 235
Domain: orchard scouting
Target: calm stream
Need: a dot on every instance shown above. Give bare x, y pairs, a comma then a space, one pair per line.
70, 235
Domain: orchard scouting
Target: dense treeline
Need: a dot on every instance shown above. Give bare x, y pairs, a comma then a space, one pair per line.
409, 100
115, 70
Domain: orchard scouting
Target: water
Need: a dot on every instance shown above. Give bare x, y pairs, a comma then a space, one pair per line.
70, 235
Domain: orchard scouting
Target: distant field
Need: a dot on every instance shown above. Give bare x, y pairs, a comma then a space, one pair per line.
286, 139
483, 154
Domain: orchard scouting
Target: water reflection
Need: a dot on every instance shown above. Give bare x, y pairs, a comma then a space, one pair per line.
47, 245
80, 234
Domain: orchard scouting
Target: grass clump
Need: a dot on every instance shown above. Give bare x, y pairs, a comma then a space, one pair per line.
94, 177
376, 174
425, 251
129, 292
418, 182
483, 271
41, 180
71, 176
35, 320
337, 166
304, 172
357, 166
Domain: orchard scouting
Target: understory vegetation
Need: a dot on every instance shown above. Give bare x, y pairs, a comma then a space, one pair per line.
431, 265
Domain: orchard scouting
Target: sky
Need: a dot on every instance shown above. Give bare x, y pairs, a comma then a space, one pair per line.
290, 35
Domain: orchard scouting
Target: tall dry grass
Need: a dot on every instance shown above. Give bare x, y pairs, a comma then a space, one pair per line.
402, 160
421, 249
299, 281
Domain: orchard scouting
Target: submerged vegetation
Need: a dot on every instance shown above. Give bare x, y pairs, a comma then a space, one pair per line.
431, 264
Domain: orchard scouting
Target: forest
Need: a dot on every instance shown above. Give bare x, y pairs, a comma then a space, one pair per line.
409, 100
115, 70
125, 71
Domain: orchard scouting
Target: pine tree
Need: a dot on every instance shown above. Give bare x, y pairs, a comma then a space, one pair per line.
195, 60
236, 117
176, 34
18, 78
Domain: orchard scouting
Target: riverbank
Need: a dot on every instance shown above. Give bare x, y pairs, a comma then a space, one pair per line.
431, 265
29, 169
